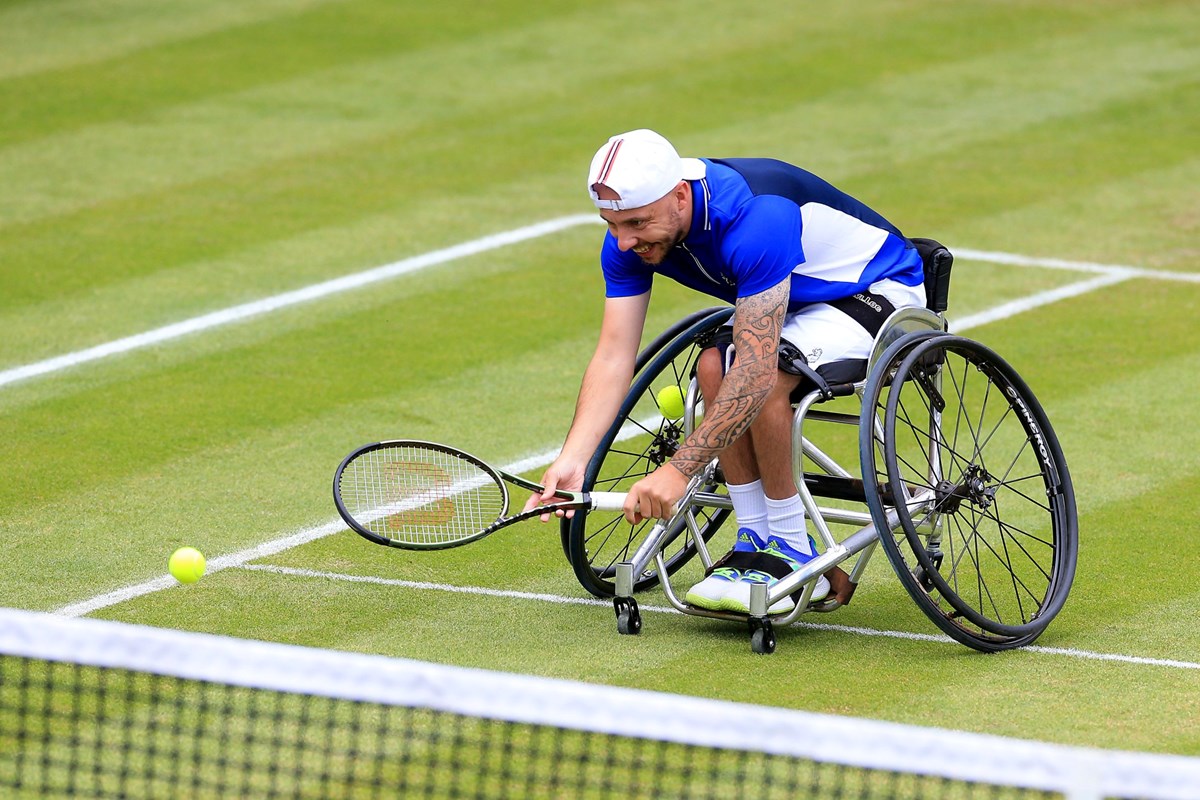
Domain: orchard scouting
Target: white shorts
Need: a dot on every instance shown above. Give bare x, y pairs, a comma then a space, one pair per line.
824, 333
839, 331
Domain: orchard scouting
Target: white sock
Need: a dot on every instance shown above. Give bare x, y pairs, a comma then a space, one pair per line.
786, 520
749, 506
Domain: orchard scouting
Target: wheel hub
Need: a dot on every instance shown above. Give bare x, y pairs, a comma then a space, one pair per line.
975, 488
665, 445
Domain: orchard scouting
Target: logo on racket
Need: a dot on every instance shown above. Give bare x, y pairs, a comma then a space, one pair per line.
424, 492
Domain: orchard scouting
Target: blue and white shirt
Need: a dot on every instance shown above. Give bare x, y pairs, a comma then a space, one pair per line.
755, 221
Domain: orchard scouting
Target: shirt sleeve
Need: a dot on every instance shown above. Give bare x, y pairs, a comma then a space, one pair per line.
763, 246
624, 273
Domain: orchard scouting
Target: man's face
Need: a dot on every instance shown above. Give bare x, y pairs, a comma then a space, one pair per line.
652, 230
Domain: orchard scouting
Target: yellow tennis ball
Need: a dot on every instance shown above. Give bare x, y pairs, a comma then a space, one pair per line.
670, 402
186, 564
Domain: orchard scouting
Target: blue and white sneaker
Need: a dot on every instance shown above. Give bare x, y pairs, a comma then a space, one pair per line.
737, 596
710, 592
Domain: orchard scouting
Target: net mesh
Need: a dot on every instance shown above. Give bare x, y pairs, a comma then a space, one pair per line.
101, 710
420, 495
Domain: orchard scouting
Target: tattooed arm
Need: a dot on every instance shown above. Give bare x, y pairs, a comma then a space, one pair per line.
757, 322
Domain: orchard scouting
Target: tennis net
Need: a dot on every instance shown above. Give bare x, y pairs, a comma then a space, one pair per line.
101, 709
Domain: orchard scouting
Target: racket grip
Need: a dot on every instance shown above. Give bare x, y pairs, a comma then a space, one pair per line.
607, 501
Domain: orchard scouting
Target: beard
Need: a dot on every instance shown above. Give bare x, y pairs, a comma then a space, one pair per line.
658, 250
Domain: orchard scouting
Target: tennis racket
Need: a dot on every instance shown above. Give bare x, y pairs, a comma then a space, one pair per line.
424, 496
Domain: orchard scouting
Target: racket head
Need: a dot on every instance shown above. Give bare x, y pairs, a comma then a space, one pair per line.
418, 495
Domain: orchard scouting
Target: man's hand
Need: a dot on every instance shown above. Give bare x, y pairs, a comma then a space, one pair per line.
564, 475
656, 495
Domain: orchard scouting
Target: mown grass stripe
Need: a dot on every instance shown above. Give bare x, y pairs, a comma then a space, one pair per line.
60, 34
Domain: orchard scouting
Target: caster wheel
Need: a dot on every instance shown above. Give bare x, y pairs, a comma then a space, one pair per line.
629, 619
922, 575
762, 637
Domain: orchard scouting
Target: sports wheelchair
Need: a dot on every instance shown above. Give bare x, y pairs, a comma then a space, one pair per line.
960, 477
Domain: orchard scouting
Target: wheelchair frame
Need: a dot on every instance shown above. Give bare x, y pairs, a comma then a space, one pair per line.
918, 508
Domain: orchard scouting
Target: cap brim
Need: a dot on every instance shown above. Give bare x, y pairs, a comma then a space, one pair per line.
693, 169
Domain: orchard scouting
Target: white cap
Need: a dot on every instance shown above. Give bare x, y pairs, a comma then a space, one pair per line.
640, 167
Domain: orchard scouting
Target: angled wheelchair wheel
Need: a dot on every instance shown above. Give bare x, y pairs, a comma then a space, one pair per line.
639, 441
971, 491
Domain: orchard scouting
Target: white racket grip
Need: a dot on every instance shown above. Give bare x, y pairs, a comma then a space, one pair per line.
607, 501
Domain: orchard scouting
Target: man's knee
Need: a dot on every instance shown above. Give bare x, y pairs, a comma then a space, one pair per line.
785, 384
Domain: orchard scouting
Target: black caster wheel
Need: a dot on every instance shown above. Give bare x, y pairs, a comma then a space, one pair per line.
762, 636
629, 619
922, 575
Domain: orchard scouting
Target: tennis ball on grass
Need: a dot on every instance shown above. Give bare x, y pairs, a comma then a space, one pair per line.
186, 564
670, 402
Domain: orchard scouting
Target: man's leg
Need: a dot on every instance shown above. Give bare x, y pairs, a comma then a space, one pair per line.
825, 334
783, 544
739, 464
771, 440
771, 434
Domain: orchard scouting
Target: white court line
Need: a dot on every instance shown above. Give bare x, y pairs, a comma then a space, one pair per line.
1015, 260
591, 601
214, 565
1011, 309
304, 295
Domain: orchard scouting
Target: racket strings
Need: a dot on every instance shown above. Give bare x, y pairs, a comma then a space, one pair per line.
420, 496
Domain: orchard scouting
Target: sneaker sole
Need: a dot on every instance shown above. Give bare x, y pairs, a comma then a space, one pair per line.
782, 605
707, 603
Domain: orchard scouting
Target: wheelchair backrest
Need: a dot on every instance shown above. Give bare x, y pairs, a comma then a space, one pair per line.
937, 260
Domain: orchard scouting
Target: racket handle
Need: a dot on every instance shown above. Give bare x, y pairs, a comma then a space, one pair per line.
607, 501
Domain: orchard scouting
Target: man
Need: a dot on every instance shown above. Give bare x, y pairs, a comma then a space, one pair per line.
812, 274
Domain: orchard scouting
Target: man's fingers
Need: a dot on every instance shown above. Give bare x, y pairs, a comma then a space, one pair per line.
631, 509
656, 510
540, 498
568, 513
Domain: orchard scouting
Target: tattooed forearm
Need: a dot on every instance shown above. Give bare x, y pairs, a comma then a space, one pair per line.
757, 323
